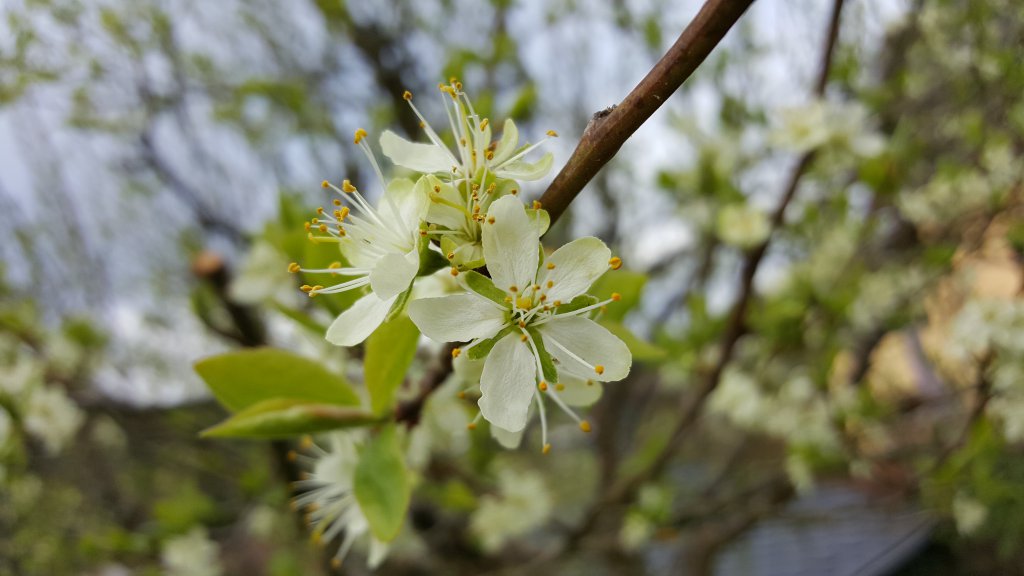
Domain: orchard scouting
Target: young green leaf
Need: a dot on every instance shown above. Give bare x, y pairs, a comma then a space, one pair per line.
242, 378
389, 352
628, 285
382, 485
288, 417
641, 349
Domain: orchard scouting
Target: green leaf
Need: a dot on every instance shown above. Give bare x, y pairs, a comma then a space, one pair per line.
243, 378
389, 352
382, 484
482, 349
546, 364
287, 417
642, 350
629, 285
483, 286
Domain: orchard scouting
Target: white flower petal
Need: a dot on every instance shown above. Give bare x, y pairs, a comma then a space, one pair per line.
393, 273
578, 391
443, 202
520, 170
378, 551
355, 324
510, 244
410, 199
456, 318
507, 384
577, 265
509, 440
508, 143
573, 339
468, 370
414, 155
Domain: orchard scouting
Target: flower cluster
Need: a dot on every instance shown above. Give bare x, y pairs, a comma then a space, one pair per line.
523, 313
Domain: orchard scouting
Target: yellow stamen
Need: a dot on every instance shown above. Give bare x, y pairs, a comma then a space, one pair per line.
559, 386
456, 352
585, 426
615, 263
536, 204
455, 271
616, 296
325, 184
347, 187
599, 369
407, 95
359, 135
334, 266
294, 267
524, 302
546, 449
552, 133
543, 386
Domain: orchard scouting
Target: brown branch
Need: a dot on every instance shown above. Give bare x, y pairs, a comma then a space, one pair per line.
409, 411
736, 327
609, 129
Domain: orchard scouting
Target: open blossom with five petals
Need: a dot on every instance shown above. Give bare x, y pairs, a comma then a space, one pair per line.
381, 246
528, 319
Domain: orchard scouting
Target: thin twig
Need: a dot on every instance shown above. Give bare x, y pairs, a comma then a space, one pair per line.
609, 129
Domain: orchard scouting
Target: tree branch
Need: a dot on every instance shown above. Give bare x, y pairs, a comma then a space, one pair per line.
609, 129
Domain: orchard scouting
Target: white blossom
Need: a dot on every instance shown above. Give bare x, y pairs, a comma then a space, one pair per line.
192, 554
822, 123
969, 514
522, 503
52, 417
529, 318
742, 225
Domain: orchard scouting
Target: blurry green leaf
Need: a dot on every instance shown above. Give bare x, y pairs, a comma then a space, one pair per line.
242, 378
382, 485
642, 350
287, 417
389, 352
628, 284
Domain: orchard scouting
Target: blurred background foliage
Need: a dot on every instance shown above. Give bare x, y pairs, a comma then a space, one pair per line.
160, 158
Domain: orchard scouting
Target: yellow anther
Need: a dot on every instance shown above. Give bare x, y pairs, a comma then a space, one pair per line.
543, 386
325, 184
448, 90
524, 302
462, 141
323, 227
335, 562
450, 255
599, 369
546, 449
522, 337
336, 202
314, 221
292, 456
305, 288
359, 135
536, 287
615, 263
407, 95
471, 426
489, 154
476, 209
513, 289
320, 210
552, 133
585, 426
458, 86
550, 265
312, 238
455, 271
347, 187
616, 296
437, 189
543, 297
456, 352
550, 283
423, 124
490, 220
590, 382
508, 299
294, 267
522, 324
306, 442
536, 204
514, 191
461, 395
559, 386
484, 123
423, 233
556, 303
334, 266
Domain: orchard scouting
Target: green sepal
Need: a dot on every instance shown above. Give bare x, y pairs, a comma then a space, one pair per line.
484, 286
399, 306
581, 301
289, 417
547, 365
482, 349
430, 262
